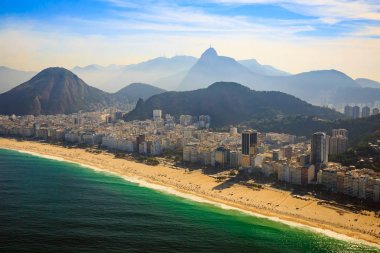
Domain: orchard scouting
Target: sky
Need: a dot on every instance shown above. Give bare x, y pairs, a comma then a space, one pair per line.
292, 35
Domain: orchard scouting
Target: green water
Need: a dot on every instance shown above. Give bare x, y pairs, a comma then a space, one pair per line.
52, 206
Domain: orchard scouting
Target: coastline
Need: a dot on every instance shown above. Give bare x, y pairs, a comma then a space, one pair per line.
200, 188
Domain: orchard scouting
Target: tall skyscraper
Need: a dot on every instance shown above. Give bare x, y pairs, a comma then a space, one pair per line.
319, 149
348, 111
356, 112
365, 111
249, 142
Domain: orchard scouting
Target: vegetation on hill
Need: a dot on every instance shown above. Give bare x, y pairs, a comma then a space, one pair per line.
366, 154
229, 103
52, 91
306, 125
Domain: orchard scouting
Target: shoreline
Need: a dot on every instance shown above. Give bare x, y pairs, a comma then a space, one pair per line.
153, 182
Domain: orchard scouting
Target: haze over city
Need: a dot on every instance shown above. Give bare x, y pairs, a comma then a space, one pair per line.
294, 36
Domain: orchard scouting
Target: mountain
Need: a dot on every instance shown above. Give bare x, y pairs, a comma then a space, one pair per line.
163, 64
9, 78
368, 83
356, 95
171, 82
314, 87
228, 103
212, 68
52, 91
134, 91
266, 70
91, 67
318, 87
114, 77
164, 72
101, 77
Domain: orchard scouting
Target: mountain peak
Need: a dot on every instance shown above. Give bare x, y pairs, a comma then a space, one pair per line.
54, 71
210, 52
227, 85
52, 91
134, 91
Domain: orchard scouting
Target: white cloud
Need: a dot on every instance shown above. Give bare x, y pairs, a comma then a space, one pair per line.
327, 10
169, 17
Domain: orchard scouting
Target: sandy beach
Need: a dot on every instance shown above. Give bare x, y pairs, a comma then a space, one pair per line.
269, 202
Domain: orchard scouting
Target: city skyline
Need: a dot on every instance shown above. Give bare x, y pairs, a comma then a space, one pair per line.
342, 35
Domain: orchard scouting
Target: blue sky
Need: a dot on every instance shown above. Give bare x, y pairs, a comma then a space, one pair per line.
321, 18
296, 35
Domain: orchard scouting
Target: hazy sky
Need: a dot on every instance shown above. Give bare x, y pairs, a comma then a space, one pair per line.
293, 35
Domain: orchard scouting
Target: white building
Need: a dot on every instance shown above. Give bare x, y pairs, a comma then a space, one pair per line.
157, 114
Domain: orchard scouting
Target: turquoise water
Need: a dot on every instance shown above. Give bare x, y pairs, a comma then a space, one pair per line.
53, 206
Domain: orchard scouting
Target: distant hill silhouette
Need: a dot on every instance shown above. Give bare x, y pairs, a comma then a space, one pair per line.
266, 70
356, 95
10, 78
134, 91
228, 103
368, 83
114, 77
183, 73
52, 91
315, 86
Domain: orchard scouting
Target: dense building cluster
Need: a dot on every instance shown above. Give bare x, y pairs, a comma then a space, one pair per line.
363, 183
107, 130
282, 157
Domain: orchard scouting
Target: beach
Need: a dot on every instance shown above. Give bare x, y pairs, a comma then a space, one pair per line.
268, 202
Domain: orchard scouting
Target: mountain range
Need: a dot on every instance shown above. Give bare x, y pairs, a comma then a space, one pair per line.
317, 87
228, 103
114, 77
59, 91
182, 73
163, 72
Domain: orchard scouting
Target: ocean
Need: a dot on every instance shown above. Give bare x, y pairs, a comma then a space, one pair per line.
55, 206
